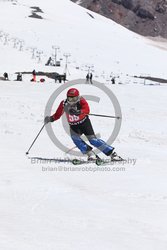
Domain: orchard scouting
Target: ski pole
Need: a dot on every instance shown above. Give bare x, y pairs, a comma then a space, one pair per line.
35, 139
108, 116
67, 152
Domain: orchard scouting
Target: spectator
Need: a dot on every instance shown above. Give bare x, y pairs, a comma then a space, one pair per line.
6, 76
56, 77
87, 78
64, 77
19, 77
113, 80
33, 76
59, 79
90, 78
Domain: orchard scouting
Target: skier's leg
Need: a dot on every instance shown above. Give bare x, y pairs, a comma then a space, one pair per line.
83, 147
76, 137
101, 145
87, 129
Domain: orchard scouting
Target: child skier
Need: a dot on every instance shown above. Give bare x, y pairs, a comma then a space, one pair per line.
77, 111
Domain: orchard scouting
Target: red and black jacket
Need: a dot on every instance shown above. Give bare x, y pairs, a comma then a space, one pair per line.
72, 119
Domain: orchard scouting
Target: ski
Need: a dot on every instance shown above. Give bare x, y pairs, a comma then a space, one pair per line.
79, 162
36, 159
76, 161
100, 162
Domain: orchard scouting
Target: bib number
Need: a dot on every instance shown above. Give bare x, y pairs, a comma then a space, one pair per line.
73, 118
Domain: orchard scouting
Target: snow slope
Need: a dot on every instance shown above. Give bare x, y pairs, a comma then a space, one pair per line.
42, 208
47, 206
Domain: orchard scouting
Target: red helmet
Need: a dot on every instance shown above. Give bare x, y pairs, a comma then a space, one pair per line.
73, 92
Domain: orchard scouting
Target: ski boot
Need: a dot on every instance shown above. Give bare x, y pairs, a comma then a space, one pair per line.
115, 157
92, 157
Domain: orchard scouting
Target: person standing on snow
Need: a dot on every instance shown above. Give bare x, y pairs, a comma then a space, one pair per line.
77, 111
87, 78
6, 76
33, 76
90, 78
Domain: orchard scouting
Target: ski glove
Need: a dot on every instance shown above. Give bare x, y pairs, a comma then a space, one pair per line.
73, 111
48, 119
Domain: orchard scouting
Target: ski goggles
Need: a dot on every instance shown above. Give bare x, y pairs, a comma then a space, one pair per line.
72, 98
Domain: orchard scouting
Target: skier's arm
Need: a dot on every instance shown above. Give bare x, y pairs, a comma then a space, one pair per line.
56, 115
59, 112
84, 106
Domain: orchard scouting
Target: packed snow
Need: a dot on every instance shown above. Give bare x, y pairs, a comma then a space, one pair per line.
56, 205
